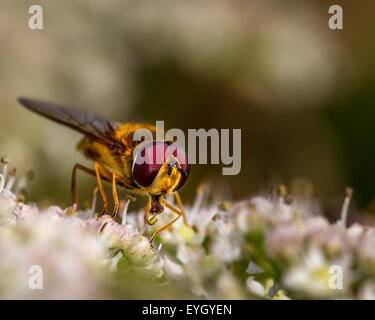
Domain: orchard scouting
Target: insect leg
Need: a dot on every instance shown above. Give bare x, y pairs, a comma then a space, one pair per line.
115, 178
147, 210
180, 206
104, 196
170, 207
166, 226
74, 177
115, 198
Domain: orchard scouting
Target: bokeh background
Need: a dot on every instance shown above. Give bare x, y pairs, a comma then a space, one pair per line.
302, 94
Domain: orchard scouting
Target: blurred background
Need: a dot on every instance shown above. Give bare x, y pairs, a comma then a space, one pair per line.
302, 94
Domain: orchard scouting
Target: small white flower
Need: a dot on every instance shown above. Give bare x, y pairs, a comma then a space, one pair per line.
255, 287
8, 204
172, 269
269, 291
311, 277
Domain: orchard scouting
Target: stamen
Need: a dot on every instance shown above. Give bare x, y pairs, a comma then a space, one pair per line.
22, 183
125, 212
282, 192
71, 210
5, 162
138, 236
225, 228
197, 202
2, 182
158, 250
94, 199
20, 198
345, 206
11, 180
225, 206
143, 230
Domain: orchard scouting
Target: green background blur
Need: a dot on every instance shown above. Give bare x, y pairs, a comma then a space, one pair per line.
302, 94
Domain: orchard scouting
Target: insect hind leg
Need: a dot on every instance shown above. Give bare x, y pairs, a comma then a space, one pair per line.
74, 179
101, 173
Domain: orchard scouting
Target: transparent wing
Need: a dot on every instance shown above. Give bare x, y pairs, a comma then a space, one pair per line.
91, 125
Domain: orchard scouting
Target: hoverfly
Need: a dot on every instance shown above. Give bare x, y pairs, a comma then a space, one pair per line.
112, 148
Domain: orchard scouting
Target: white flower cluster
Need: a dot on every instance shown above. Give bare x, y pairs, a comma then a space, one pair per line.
267, 247
75, 250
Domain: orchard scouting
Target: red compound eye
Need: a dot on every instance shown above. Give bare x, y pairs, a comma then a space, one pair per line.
150, 158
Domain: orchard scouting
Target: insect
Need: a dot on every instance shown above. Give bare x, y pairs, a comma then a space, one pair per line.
116, 159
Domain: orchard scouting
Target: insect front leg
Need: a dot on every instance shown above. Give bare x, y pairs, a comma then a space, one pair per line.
166, 226
170, 207
147, 210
